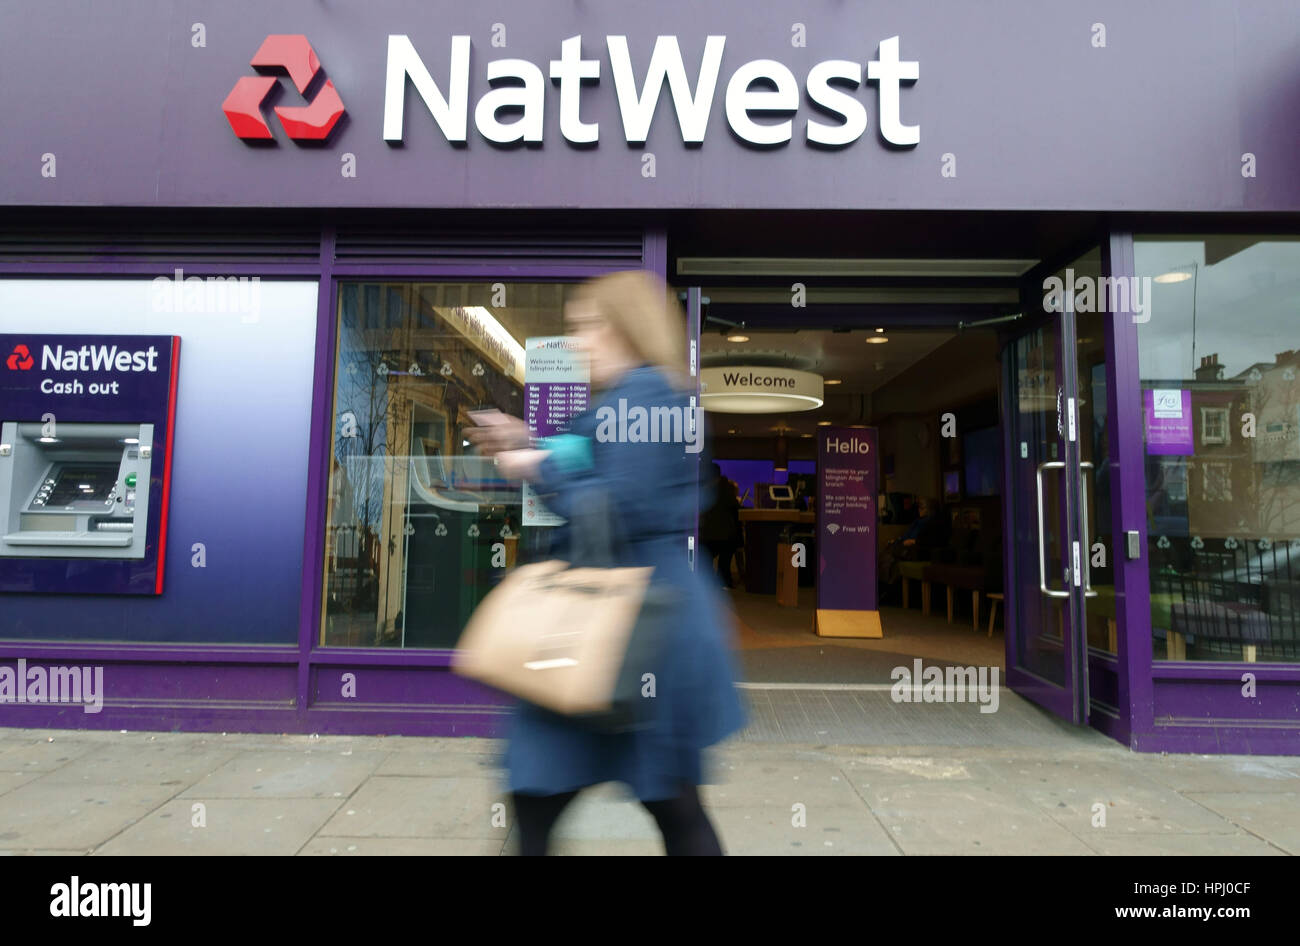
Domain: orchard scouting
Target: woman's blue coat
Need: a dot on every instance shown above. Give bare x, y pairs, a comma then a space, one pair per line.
652, 489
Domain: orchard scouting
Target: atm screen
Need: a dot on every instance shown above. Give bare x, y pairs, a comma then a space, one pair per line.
82, 481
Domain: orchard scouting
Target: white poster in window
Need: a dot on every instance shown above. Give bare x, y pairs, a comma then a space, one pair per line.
556, 388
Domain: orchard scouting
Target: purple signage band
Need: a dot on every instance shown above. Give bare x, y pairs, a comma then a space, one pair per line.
877, 106
847, 479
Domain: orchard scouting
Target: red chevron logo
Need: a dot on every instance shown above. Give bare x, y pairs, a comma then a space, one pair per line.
288, 53
21, 359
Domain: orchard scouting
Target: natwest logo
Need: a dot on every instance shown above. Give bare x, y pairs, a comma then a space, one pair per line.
95, 358
20, 360
289, 53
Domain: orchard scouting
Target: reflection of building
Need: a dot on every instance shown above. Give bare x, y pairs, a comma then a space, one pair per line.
1236, 483
413, 361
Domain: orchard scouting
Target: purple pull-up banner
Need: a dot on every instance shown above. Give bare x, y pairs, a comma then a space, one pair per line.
846, 518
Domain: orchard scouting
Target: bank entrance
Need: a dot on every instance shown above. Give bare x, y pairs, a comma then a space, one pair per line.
993, 570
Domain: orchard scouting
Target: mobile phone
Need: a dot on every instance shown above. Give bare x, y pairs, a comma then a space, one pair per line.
488, 417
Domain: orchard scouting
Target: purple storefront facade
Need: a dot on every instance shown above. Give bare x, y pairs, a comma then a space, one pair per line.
437, 145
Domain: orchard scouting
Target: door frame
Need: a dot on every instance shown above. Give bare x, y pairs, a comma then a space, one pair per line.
1070, 701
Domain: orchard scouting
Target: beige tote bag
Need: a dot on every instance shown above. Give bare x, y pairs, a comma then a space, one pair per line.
555, 636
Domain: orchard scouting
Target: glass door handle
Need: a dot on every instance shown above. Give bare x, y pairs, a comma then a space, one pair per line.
1042, 541
1087, 546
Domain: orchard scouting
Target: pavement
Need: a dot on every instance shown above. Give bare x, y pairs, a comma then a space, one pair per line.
88, 792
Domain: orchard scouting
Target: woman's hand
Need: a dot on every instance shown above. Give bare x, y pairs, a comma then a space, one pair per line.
510, 433
520, 464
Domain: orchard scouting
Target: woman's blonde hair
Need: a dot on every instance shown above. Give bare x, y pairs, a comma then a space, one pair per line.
641, 308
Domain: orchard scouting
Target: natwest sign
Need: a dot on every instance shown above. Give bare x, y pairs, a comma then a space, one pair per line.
761, 97
758, 87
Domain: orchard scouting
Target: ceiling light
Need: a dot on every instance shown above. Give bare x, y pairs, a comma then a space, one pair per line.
877, 340
737, 338
823, 423
880, 330
831, 381
1176, 276
754, 389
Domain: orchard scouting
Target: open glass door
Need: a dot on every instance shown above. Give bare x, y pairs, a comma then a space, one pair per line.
1046, 475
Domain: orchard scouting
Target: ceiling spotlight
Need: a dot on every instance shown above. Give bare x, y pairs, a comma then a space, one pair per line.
737, 338
877, 340
823, 423
880, 331
831, 381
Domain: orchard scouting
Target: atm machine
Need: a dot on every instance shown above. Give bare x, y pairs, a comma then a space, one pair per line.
83, 493
86, 428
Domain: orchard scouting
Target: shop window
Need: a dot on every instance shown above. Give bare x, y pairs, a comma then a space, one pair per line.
419, 528
1214, 425
1219, 367
1216, 483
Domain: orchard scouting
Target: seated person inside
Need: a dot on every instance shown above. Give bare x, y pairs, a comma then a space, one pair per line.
930, 531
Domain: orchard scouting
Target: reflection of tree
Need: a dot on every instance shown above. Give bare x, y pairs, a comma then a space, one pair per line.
364, 410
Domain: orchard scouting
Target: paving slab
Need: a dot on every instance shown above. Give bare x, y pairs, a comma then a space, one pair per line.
768, 784
43, 754
1069, 791
11, 780
970, 819
1180, 845
1272, 816
1221, 773
320, 772
73, 815
605, 817
440, 763
825, 831
180, 765
416, 807
323, 846
254, 826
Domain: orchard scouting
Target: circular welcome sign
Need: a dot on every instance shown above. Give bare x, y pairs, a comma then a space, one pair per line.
746, 389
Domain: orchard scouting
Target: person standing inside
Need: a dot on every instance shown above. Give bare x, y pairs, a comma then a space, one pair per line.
720, 525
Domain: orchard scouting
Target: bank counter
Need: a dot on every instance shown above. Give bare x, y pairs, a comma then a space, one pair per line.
764, 529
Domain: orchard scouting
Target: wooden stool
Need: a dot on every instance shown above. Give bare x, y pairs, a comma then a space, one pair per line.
994, 598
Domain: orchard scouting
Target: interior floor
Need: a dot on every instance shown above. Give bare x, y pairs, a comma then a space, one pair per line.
808, 689
778, 644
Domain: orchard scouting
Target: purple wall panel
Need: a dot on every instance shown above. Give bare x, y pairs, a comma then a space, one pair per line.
1222, 700
401, 687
